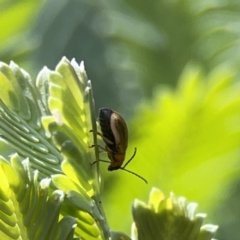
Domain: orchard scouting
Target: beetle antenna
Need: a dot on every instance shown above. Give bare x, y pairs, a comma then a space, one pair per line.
135, 174
124, 167
135, 151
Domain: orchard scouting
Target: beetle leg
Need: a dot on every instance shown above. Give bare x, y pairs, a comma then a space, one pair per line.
104, 149
98, 133
100, 160
106, 140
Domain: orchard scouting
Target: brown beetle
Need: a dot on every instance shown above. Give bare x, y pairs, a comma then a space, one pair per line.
115, 135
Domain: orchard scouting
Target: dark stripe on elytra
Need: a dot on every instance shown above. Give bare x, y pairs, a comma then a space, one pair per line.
104, 120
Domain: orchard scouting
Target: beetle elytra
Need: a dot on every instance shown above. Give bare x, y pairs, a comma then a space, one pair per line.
115, 135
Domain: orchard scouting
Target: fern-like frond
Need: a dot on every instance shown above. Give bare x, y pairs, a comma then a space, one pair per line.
28, 209
169, 218
73, 116
55, 137
21, 109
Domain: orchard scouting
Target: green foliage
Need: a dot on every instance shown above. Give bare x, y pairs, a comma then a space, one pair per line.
138, 44
170, 218
131, 48
63, 100
194, 130
158, 39
21, 109
15, 22
187, 140
28, 210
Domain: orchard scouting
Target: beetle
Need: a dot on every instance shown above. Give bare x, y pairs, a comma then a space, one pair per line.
114, 133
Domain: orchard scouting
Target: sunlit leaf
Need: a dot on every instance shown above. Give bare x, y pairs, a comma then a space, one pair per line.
171, 218
28, 211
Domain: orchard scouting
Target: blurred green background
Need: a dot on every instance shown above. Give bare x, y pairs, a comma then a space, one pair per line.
171, 68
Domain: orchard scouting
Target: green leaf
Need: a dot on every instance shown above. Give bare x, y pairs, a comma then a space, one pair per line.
28, 211
71, 104
187, 140
55, 129
17, 16
169, 218
21, 109
16, 19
